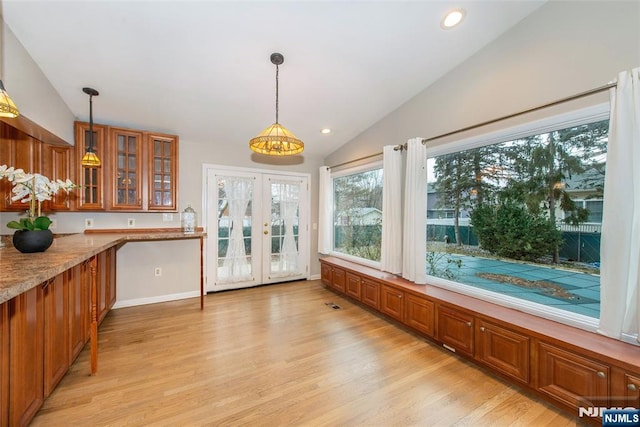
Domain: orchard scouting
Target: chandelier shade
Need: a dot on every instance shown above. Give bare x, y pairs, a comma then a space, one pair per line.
7, 106
276, 140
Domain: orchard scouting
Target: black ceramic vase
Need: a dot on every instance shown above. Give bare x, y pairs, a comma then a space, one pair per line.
29, 241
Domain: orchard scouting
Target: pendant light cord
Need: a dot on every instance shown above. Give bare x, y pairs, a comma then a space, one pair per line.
277, 72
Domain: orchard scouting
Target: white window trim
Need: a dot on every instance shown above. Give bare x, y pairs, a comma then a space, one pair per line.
344, 172
574, 118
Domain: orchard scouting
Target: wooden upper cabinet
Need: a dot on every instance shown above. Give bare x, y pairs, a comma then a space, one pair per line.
162, 170
21, 151
91, 194
57, 163
139, 170
125, 174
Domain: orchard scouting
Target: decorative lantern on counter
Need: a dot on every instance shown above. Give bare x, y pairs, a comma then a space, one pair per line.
188, 220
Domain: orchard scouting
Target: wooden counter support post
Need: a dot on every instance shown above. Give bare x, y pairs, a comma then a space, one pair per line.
93, 333
201, 273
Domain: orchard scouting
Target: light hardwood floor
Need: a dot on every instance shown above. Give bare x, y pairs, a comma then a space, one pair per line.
278, 356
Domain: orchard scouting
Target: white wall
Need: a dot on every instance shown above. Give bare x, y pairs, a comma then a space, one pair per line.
563, 48
30, 89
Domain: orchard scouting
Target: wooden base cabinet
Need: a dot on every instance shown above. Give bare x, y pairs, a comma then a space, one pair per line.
370, 292
392, 302
420, 314
504, 350
626, 390
4, 364
26, 356
56, 331
353, 286
576, 381
455, 330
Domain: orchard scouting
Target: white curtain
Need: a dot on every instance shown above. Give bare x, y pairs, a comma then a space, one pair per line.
236, 266
391, 257
289, 204
620, 245
414, 247
325, 210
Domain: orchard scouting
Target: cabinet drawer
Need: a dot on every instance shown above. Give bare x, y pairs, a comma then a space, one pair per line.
370, 292
455, 330
503, 350
392, 302
574, 380
353, 286
419, 314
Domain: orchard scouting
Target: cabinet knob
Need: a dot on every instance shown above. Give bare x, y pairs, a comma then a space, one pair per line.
481, 328
601, 374
399, 295
632, 387
469, 324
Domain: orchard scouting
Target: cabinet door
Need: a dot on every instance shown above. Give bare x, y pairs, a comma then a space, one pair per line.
503, 350
103, 285
455, 330
78, 280
420, 313
574, 380
111, 282
325, 273
19, 150
163, 171
57, 164
126, 174
339, 279
631, 391
353, 286
4, 364
91, 194
392, 302
370, 291
26, 353
56, 331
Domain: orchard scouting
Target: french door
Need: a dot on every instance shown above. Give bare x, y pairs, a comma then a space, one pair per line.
257, 227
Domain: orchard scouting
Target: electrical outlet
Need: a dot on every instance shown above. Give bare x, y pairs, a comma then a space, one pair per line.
167, 217
157, 272
88, 222
131, 222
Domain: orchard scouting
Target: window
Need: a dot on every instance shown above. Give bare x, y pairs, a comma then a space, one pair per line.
357, 213
519, 215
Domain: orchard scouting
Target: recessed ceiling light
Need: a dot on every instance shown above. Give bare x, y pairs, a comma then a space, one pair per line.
325, 131
452, 18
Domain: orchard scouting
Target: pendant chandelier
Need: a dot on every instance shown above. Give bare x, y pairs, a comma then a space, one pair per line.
276, 140
7, 107
90, 158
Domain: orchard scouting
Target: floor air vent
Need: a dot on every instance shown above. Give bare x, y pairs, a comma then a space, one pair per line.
332, 305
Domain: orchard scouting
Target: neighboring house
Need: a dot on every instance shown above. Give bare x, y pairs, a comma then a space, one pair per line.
360, 216
587, 191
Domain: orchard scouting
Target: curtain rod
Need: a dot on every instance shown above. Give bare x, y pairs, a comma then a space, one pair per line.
489, 122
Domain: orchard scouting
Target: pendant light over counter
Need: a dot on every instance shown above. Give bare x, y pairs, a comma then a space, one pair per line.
90, 158
7, 107
276, 140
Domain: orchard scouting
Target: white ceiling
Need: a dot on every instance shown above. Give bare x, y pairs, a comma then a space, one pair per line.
201, 69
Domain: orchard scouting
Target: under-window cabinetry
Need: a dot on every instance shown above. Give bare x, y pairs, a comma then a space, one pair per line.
392, 302
419, 314
371, 293
504, 350
353, 286
455, 330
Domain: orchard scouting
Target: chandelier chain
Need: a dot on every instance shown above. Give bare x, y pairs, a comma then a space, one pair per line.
277, 72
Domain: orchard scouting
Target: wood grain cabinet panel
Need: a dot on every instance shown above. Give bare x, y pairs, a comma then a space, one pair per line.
325, 274
21, 151
353, 286
125, 171
504, 350
106, 282
92, 180
625, 388
56, 331
26, 356
370, 291
392, 302
78, 302
57, 164
162, 171
4, 364
419, 314
339, 279
455, 330
574, 380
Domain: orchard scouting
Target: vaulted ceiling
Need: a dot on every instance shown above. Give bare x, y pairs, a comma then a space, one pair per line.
201, 69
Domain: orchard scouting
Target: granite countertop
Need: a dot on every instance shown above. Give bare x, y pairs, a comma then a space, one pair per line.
20, 272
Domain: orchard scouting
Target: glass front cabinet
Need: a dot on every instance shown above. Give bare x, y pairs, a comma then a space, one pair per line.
139, 170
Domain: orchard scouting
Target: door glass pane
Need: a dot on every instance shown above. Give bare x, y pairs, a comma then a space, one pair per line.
234, 225
285, 210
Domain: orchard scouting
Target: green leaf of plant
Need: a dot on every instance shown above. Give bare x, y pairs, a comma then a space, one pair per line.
41, 223
15, 225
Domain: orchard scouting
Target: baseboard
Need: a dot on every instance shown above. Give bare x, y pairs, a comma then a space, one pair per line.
156, 299
314, 277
